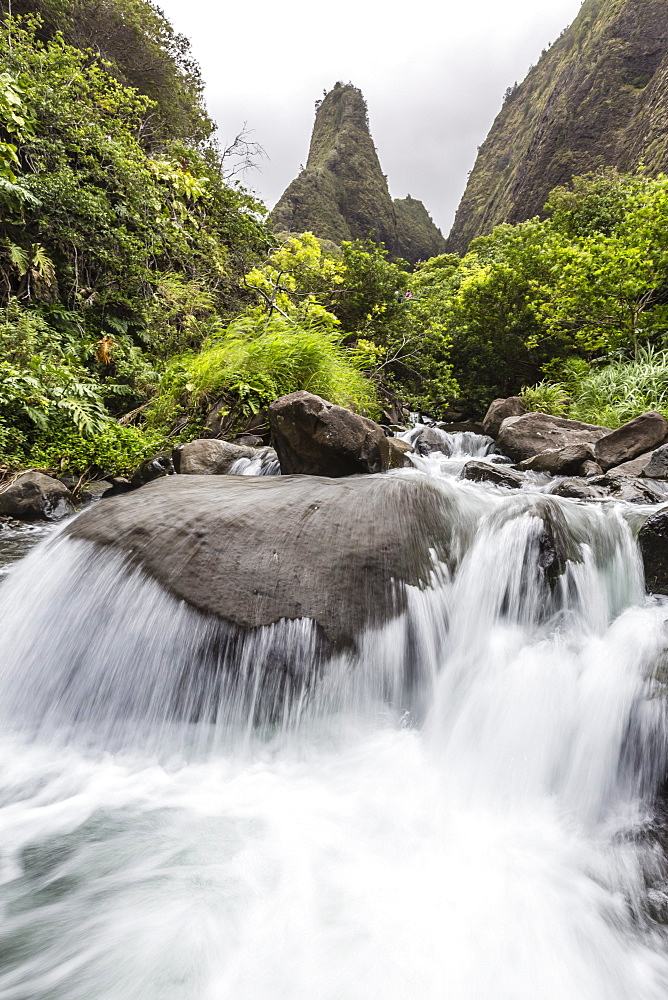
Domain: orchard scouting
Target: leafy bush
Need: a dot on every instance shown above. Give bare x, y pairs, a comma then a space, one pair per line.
112, 451
252, 362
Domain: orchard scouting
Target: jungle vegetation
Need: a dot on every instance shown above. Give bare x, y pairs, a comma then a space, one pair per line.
141, 288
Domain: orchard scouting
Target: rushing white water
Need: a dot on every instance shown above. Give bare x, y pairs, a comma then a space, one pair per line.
462, 810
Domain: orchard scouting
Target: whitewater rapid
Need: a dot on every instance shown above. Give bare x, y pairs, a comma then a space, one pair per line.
488, 832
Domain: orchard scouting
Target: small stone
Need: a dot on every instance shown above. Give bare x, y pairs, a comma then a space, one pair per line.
484, 472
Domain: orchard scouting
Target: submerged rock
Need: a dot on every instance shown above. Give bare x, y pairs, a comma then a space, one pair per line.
316, 438
253, 551
35, 497
631, 440
525, 436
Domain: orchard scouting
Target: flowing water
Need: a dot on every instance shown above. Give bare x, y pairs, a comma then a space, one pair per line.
464, 809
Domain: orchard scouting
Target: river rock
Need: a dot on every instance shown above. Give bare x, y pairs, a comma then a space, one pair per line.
248, 441
578, 489
498, 410
252, 551
462, 427
525, 436
35, 497
152, 468
484, 472
431, 439
96, 490
632, 439
317, 438
653, 539
635, 467
208, 457
399, 451
632, 489
657, 466
560, 461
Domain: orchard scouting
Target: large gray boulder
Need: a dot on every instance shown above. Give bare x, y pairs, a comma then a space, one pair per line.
498, 410
252, 551
317, 438
35, 497
632, 439
208, 457
525, 436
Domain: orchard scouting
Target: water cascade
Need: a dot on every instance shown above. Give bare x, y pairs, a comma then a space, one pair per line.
464, 804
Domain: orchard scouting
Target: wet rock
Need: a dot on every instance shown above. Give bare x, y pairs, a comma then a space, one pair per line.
255, 551
431, 439
578, 489
120, 484
35, 497
208, 457
399, 452
653, 540
462, 427
317, 438
484, 472
528, 435
152, 468
96, 490
657, 466
248, 441
560, 461
590, 468
632, 439
635, 490
635, 467
498, 410
620, 486
549, 543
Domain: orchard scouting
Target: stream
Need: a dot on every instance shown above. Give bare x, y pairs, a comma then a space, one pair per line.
491, 830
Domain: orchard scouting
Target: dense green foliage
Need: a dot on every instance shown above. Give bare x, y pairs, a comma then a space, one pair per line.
114, 253
140, 294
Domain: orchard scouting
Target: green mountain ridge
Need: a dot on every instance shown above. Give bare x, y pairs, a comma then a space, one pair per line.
342, 193
597, 98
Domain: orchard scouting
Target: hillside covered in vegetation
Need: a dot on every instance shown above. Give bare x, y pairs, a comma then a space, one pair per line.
597, 98
342, 193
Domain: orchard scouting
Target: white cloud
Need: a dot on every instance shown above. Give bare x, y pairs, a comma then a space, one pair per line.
433, 75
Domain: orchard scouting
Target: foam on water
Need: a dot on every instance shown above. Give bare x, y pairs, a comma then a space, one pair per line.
462, 808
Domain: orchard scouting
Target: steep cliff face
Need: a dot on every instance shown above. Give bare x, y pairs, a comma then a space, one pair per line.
342, 193
419, 238
598, 97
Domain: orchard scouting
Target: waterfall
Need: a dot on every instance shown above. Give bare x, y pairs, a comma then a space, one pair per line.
465, 805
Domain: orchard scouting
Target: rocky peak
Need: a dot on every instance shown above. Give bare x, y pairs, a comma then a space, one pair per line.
342, 193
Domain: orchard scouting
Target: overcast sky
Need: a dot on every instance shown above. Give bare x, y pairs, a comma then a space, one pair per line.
433, 75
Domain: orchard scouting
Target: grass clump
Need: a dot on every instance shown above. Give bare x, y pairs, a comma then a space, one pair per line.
608, 395
253, 361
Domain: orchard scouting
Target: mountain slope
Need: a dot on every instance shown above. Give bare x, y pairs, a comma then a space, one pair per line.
598, 97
